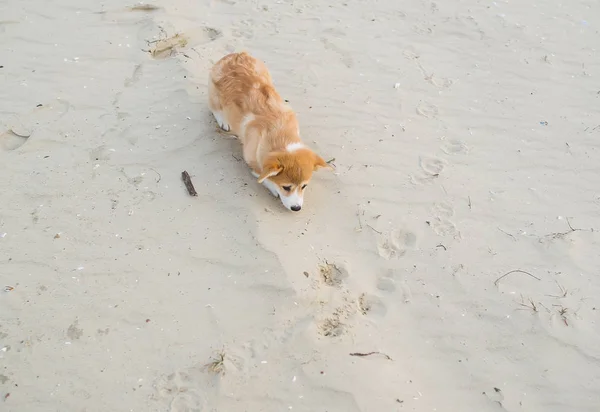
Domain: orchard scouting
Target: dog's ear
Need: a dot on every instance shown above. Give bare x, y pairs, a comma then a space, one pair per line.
321, 163
271, 167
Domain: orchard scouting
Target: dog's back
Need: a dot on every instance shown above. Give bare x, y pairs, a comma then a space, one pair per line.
242, 81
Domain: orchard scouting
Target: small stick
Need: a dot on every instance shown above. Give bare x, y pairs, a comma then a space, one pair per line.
531, 305
159, 175
469, 202
506, 233
514, 271
24, 136
188, 183
563, 234
144, 7
370, 353
562, 290
360, 226
440, 245
459, 267
562, 313
571, 227
373, 229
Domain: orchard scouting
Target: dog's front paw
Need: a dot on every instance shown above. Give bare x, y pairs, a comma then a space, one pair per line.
221, 121
271, 186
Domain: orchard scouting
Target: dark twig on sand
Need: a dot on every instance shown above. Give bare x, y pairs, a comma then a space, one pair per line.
19, 134
514, 271
562, 235
563, 292
188, 183
373, 229
159, 175
531, 305
144, 7
358, 213
571, 227
508, 234
370, 353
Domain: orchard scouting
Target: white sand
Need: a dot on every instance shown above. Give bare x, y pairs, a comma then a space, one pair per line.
465, 134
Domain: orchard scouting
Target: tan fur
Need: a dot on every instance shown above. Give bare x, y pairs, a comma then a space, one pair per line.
240, 86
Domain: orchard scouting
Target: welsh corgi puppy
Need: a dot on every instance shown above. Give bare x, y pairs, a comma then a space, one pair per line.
245, 103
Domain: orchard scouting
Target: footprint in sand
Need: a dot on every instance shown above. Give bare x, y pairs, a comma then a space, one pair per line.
135, 76
332, 274
338, 322
443, 227
441, 224
427, 110
22, 127
165, 47
74, 332
397, 244
422, 29
443, 209
495, 395
12, 140
101, 153
192, 389
331, 327
453, 147
440, 83
245, 29
411, 54
432, 165
182, 390
242, 33
371, 306
346, 58
386, 284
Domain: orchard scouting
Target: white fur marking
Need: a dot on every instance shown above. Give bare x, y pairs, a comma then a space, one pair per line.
220, 118
273, 188
292, 147
268, 184
294, 199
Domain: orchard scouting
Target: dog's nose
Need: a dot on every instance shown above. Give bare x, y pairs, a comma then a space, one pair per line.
296, 208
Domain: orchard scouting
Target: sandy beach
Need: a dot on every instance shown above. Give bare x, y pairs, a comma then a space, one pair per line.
449, 263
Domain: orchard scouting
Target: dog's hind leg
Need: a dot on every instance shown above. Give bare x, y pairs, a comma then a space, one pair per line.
215, 107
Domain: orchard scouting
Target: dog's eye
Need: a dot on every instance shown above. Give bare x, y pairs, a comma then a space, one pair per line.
287, 188
304, 186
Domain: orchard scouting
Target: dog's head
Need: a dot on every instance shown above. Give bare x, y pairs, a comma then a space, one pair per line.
290, 172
